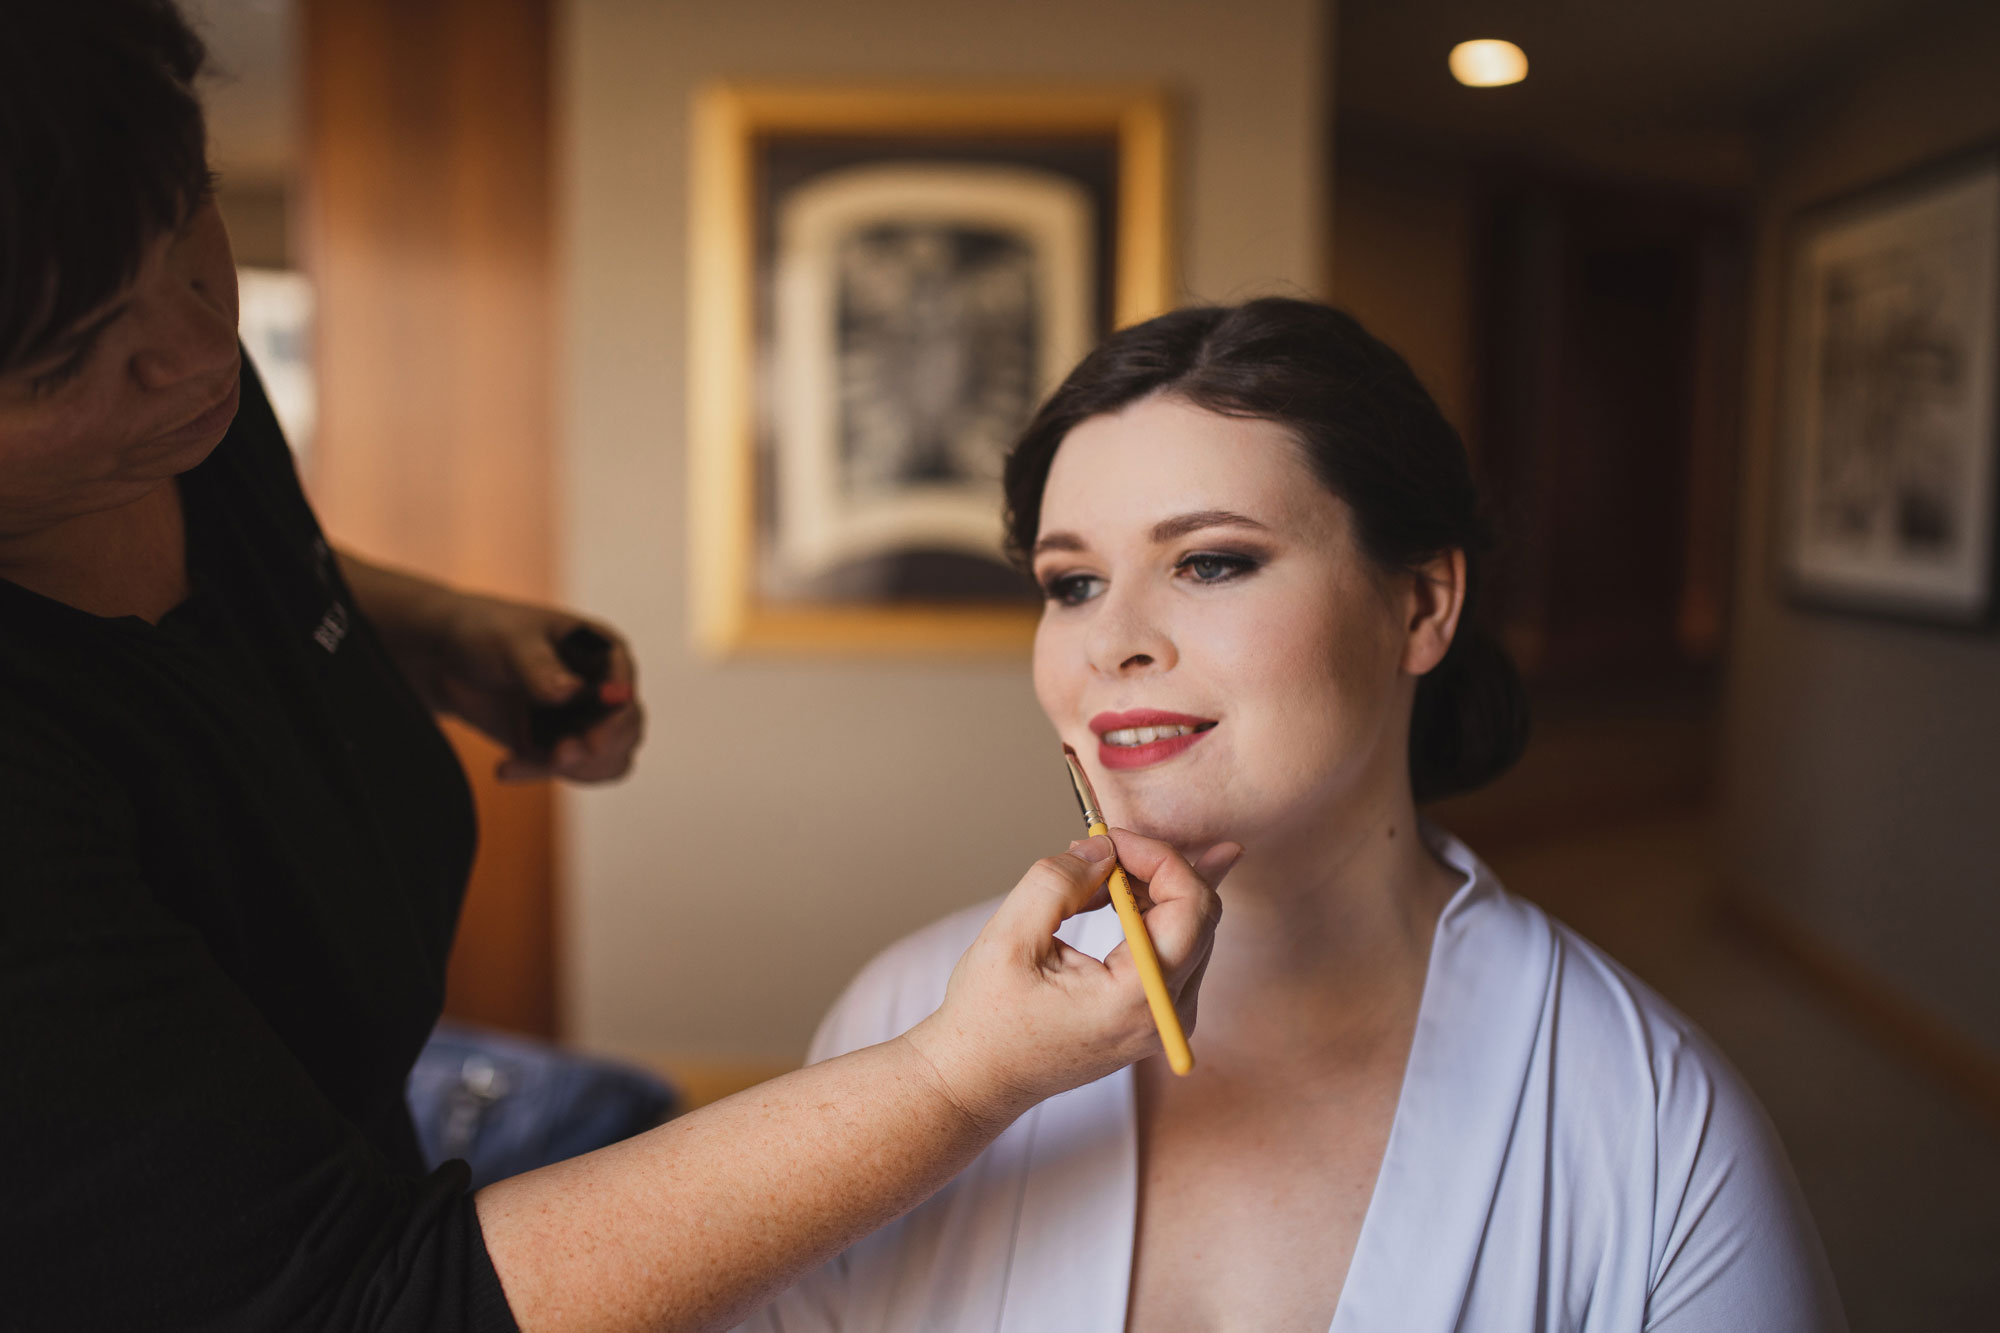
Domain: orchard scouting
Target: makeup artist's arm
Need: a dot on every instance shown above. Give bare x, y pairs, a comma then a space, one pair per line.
487, 659
695, 1224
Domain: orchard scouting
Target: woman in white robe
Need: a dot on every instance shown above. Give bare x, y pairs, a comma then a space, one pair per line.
1421, 1105
1568, 1154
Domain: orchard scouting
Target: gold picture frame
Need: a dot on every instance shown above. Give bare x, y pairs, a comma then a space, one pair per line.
1105, 263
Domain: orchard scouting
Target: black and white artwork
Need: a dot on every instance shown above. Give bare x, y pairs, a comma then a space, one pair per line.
885, 282
1890, 411
919, 312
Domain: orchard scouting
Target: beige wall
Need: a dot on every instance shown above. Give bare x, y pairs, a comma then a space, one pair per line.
791, 818
1861, 772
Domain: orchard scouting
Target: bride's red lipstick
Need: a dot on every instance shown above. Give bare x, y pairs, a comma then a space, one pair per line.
1153, 752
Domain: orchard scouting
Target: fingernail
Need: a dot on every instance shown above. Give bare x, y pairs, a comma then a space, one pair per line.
1091, 849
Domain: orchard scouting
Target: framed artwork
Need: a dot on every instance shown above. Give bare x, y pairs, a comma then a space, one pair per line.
884, 285
1889, 476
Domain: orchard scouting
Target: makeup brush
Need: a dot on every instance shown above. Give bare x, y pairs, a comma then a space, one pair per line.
1179, 1058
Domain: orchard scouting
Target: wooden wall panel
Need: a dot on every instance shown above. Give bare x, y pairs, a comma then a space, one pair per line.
427, 230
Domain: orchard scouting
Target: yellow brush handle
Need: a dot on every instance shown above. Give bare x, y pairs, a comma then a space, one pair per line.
1179, 1058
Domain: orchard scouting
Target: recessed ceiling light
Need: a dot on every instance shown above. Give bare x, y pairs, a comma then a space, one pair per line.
1488, 64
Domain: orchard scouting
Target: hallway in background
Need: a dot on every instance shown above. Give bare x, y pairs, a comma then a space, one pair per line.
1901, 1173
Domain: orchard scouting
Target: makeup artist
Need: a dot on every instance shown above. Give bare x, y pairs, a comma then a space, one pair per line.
233, 843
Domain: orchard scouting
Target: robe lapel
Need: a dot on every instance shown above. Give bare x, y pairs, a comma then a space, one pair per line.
1482, 1012
1071, 1267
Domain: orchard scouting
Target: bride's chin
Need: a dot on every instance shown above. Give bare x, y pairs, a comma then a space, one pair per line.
1187, 833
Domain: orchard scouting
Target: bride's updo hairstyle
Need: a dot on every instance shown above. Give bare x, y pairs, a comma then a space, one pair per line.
1372, 435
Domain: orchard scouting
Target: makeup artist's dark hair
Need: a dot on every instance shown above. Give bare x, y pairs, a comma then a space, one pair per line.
102, 147
1373, 436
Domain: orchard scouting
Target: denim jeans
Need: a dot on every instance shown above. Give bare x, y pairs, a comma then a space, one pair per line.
508, 1104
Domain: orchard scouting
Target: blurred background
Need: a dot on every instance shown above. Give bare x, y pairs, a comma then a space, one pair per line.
465, 229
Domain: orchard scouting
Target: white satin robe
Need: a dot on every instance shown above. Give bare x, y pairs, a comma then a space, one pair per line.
1568, 1153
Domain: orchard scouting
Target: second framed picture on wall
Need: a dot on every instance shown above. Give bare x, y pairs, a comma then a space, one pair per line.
884, 285
1891, 464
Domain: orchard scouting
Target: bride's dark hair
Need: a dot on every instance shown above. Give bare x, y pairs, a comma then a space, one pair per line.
1372, 435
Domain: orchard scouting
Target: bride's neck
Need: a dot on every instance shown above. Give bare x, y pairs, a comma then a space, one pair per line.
1346, 903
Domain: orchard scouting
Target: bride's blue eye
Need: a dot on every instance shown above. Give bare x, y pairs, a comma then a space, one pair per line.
1215, 567
1072, 589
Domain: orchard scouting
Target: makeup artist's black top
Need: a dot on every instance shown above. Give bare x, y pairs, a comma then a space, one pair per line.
232, 851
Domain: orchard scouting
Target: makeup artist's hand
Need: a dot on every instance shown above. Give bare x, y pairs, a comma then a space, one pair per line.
500, 660
1026, 1016
488, 660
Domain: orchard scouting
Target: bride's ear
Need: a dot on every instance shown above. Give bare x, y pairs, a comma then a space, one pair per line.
1436, 596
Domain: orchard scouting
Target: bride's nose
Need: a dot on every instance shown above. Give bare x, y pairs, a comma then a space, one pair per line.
1128, 635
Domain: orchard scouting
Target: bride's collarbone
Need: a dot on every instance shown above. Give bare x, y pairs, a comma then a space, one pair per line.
1327, 1047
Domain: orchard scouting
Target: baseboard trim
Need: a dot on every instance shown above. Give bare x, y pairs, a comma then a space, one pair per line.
1901, 1025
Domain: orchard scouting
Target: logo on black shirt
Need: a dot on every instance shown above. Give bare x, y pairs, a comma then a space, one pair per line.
333, 625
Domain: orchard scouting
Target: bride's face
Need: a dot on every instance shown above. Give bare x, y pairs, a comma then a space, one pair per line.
1215, 645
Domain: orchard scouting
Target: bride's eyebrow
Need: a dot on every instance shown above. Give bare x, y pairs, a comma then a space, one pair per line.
1166, 530
1180, 525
